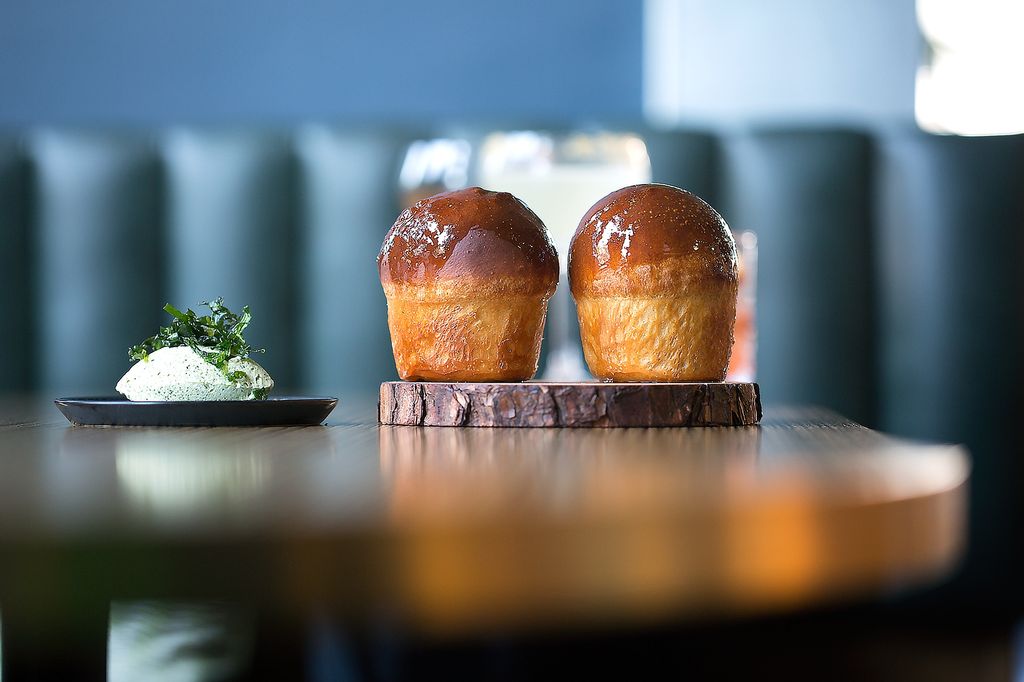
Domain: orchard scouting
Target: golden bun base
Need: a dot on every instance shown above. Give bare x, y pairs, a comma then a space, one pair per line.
465, 339
677, 338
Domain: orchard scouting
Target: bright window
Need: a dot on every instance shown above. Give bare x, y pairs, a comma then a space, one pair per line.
972, 80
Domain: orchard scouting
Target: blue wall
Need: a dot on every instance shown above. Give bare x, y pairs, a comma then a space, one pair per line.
783, 61
258, 61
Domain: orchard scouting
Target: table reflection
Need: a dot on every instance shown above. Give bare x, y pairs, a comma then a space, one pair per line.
740, 517
524, 471
187, 475
174, 477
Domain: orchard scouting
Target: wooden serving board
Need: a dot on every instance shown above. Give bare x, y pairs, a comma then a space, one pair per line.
543, 404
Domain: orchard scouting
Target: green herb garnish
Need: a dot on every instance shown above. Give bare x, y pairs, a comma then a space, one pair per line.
216, 337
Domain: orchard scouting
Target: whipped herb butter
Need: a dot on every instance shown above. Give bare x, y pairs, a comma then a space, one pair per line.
197, 358
182, 374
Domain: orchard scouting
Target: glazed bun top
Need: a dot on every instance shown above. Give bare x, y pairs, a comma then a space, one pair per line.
470, 234
650, 239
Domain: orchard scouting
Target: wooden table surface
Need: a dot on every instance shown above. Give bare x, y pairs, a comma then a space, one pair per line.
450, 529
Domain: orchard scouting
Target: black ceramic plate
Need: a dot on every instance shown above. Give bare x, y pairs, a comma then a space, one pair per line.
274, 411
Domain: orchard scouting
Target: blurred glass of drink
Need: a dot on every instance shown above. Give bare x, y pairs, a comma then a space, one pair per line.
742, 363
430, 167
560, 176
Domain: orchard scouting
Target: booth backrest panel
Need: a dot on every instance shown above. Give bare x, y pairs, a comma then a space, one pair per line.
96, 254
808, 196
17, 335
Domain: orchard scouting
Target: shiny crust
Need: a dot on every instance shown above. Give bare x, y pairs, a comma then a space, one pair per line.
490, 236
442, 332
653, 271
467, 276
649, 240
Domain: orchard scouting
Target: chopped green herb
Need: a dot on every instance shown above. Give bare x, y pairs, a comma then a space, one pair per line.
216, 337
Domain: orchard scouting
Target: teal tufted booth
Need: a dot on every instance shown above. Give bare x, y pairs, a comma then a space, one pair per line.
887, 263
890, 286
101, 229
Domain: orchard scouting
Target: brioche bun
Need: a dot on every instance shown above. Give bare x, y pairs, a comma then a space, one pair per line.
467, 276
653, 270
